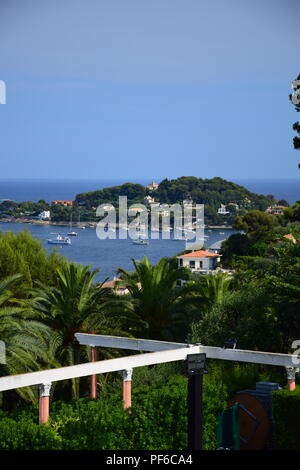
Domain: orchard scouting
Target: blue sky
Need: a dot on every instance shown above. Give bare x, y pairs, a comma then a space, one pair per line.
140, 89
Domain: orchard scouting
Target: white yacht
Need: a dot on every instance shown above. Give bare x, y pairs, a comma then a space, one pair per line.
59, 240
139, 241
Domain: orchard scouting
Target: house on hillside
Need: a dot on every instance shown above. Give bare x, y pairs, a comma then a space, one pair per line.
222, 210
199, 261
275, 210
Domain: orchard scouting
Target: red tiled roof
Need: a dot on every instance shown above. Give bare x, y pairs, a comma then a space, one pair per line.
199, 254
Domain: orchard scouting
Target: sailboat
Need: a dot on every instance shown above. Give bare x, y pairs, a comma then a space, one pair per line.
82, 227
72, 233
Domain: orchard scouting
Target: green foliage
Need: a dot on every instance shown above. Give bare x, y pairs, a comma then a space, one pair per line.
244, 315
20, 253
241, 376
156, 421
27, 435
208, 290
134, 193
210, 192
25, 337
75, 305
259, 226
286, 412
156, 304
292, 213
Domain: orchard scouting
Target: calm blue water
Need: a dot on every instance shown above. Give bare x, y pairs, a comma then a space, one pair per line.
288, 189
33, 190
109, 255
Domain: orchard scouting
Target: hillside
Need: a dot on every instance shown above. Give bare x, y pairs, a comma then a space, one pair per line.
210, 192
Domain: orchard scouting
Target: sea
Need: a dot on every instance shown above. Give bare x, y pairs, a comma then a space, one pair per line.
110, 254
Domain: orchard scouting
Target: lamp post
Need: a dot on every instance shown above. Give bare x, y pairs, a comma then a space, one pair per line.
195, 367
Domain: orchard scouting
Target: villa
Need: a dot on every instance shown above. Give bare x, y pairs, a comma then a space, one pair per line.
200, 261
222, 210
275, 210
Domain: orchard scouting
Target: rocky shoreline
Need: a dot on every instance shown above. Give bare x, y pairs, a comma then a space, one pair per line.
77, 224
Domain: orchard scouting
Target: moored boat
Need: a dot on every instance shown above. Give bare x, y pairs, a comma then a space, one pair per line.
140, 242
59, 240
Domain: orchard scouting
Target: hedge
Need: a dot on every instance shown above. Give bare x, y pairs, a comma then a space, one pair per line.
286, 413
156, 421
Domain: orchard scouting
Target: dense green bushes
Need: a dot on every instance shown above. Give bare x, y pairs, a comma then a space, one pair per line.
27, 435
156, 421
286, 412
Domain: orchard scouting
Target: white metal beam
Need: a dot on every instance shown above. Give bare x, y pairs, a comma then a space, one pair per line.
121, 342
239, 355
92, 368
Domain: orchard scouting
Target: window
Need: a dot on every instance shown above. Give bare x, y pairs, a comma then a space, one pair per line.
180, 262
201, 264
192, 264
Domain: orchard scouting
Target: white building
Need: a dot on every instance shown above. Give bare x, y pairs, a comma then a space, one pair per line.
45, 215
148, 200
199, 261
222, 210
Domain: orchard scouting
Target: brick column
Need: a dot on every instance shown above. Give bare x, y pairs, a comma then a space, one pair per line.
93, 378
291, 378
44, 402
127, 378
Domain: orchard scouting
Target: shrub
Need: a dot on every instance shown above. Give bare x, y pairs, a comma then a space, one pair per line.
26, 435
286, 413
156, 421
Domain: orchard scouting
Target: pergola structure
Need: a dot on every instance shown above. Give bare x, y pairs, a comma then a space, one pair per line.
287, 361
158, 352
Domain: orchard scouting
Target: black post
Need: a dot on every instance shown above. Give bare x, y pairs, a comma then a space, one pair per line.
195, 412
195, 371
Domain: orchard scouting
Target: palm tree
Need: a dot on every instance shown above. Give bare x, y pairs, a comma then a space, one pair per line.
211, 290
75, 305
156, 303
24, 336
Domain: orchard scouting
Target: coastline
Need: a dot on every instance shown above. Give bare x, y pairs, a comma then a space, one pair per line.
77, 224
